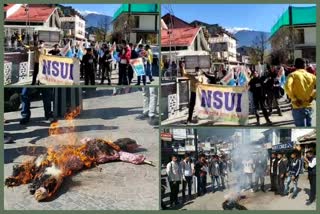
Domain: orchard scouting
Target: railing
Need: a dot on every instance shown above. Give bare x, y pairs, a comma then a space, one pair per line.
18, 67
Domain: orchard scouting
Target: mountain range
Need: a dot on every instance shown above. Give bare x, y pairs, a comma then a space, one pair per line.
98, 20
247, 37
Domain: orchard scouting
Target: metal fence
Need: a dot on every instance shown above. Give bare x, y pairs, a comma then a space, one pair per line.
18, 67
174, 97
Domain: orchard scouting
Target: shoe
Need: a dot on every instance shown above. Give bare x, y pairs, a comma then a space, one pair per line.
153, 121
24, 121
52, 120
151, 80
309, 202
268, 123
251, 190
142, 117
7, 139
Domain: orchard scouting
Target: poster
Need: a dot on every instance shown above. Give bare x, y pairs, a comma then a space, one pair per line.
56, 70
138, 66
225, 105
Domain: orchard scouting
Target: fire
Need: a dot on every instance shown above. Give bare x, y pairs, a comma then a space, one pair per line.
55, 128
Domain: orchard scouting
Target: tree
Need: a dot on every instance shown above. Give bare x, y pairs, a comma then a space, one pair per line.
104, 27
259, 47
283, 44
122, 27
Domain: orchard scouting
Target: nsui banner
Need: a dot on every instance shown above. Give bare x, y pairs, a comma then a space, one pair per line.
227, 105
138, 66
56, 70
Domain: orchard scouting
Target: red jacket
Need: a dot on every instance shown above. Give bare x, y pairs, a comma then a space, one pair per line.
126, 55
311, 70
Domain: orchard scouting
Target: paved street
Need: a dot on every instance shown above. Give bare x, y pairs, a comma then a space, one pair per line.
110, 186
285, 120
253, 201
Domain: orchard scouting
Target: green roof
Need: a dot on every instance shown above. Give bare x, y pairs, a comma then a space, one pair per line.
296, 16
136, 8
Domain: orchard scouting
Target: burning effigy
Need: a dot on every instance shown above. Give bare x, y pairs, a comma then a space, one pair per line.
232, 202
46, 172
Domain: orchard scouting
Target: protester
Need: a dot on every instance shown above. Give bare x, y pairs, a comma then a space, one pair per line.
106, 67
125, 56
293, 174
38, 50
257, 88
46, 94
201, 174
142, 53
193, 87
88, 62
300, 87
134, 55
273, 171
248, 169
55, 51
260, 168
310, 159
149, 63
272, 85
174, 176
223, 172
150, 100
281, 174
187, 168
215, 173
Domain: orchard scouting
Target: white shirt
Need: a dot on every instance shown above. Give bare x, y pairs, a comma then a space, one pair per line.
312, 163
174, 171
247, 166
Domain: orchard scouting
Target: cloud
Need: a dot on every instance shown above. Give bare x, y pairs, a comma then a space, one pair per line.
237, 29
86, 12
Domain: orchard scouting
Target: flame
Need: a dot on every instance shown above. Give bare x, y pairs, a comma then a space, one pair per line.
56, 129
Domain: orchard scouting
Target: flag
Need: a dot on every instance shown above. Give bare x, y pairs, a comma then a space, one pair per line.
243, 78
140, 42
282, 76
229, 79
114, 47
65, 50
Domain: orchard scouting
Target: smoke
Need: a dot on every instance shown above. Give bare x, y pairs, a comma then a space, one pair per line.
243, 157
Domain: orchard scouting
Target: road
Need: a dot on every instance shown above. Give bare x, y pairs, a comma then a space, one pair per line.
253, 201
111, 186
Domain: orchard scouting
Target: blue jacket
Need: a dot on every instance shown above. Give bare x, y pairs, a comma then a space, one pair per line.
295, 167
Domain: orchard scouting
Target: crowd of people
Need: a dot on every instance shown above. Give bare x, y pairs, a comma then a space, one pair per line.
99, 60
265, 89
249, 173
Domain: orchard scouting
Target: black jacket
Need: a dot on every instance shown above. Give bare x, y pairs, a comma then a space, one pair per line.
88, 61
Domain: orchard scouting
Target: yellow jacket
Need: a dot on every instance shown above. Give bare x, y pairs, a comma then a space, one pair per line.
150, 56
300, 87
193, 80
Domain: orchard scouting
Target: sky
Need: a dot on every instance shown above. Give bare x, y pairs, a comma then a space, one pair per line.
106, 9
260, 17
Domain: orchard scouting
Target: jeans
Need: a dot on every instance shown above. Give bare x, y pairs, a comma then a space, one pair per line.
313, 190
89, 76
203, 184
215, 179
174, 187
123, 75
259, 177
287, 186
35, 73
186, 182
249, 177
192, 103
302, 117
46, 98
150, 99
149, 71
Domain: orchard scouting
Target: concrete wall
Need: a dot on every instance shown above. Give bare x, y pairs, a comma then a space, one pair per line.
147, 22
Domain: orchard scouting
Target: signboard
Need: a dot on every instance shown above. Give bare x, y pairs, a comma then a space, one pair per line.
166, 137
283, 146
227, 105
138, 66
55, 70
202, 61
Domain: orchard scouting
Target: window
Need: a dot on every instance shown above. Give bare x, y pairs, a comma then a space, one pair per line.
136, 22
300, 36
